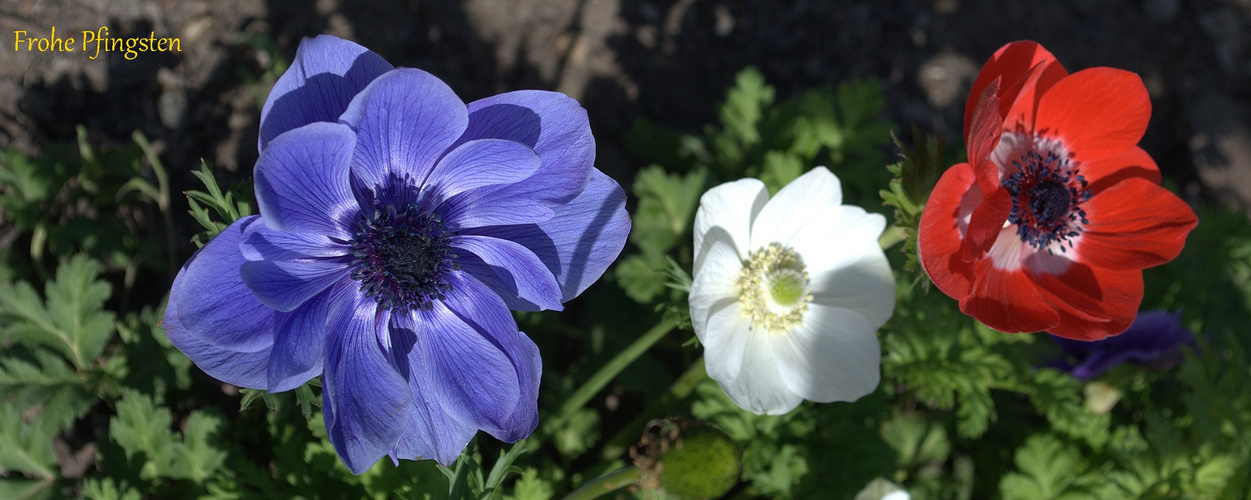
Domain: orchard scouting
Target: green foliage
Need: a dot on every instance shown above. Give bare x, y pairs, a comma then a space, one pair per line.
228, 206
912, 180
143, 431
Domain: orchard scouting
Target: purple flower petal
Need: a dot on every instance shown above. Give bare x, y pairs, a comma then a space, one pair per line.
326, 73
552, 124
212, 305
366, 401
472, 358
302, 181
286, 284
471, 299
244, 369
494, 206
1155, 338
431, 433
580, 241
259, 242
477, 164
510, 269
299, 343
405, 121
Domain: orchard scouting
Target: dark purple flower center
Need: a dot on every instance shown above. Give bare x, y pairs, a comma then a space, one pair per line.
1046, 200
402, 257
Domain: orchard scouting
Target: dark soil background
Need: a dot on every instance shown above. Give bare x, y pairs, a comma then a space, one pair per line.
668, 61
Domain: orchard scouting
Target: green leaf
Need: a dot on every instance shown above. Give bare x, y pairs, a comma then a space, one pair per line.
142, 429
26, 445
666, 208
107, 489
198, 458
72, 320
530, 487
45, 381
1049, 469
744, 108
639, 279
29, 489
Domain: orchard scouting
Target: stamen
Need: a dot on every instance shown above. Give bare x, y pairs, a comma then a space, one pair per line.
1046, 200
402, 257
773, 289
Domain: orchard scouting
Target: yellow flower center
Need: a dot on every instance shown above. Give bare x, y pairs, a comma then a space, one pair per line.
773, 289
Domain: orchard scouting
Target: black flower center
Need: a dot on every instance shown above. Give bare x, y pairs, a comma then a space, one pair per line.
402, 257
1046, 200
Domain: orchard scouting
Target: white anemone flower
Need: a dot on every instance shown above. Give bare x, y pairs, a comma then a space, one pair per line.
789, 293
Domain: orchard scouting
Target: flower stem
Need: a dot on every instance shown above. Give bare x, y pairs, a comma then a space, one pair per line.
592, 386
606, 483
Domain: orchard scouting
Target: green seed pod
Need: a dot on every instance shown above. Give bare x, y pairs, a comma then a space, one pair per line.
689, 459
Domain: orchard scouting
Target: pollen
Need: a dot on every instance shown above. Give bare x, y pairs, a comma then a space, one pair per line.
1047, 197
402, 257
773, 289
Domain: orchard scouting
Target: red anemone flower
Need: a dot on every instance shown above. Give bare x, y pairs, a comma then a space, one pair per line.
1051, 222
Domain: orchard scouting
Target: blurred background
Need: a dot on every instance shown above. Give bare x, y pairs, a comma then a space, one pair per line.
667, 61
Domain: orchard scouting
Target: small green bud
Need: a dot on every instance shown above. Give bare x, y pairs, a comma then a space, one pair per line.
688, 459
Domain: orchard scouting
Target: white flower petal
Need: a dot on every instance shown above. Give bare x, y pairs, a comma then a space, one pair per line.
833, 356
836, 236
794, 206
714, 285
846, 266
725, 341
864, 286
729, 209
759, 387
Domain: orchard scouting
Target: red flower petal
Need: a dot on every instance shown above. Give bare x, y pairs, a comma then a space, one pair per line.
986, 222
987, 128
1134, 224
1122, 293
1097, 112
1014, 65
1008, 301
1094, 295
939, 240
1106, 172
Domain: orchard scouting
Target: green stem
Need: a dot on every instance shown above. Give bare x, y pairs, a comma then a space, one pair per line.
592, 386
680, 389
892, 236
606, 483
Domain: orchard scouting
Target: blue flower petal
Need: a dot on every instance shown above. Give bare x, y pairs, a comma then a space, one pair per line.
286, 284
474, 304
477, 164
302, 181
431, 431
510, 269
1155, 338
326, 73
244, 369
405, 121
213, 306
259, 242
552, 124
299, 343
579, 243
494, 206
366, 401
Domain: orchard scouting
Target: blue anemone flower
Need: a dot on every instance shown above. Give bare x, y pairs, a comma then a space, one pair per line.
397, 228
1154, 340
